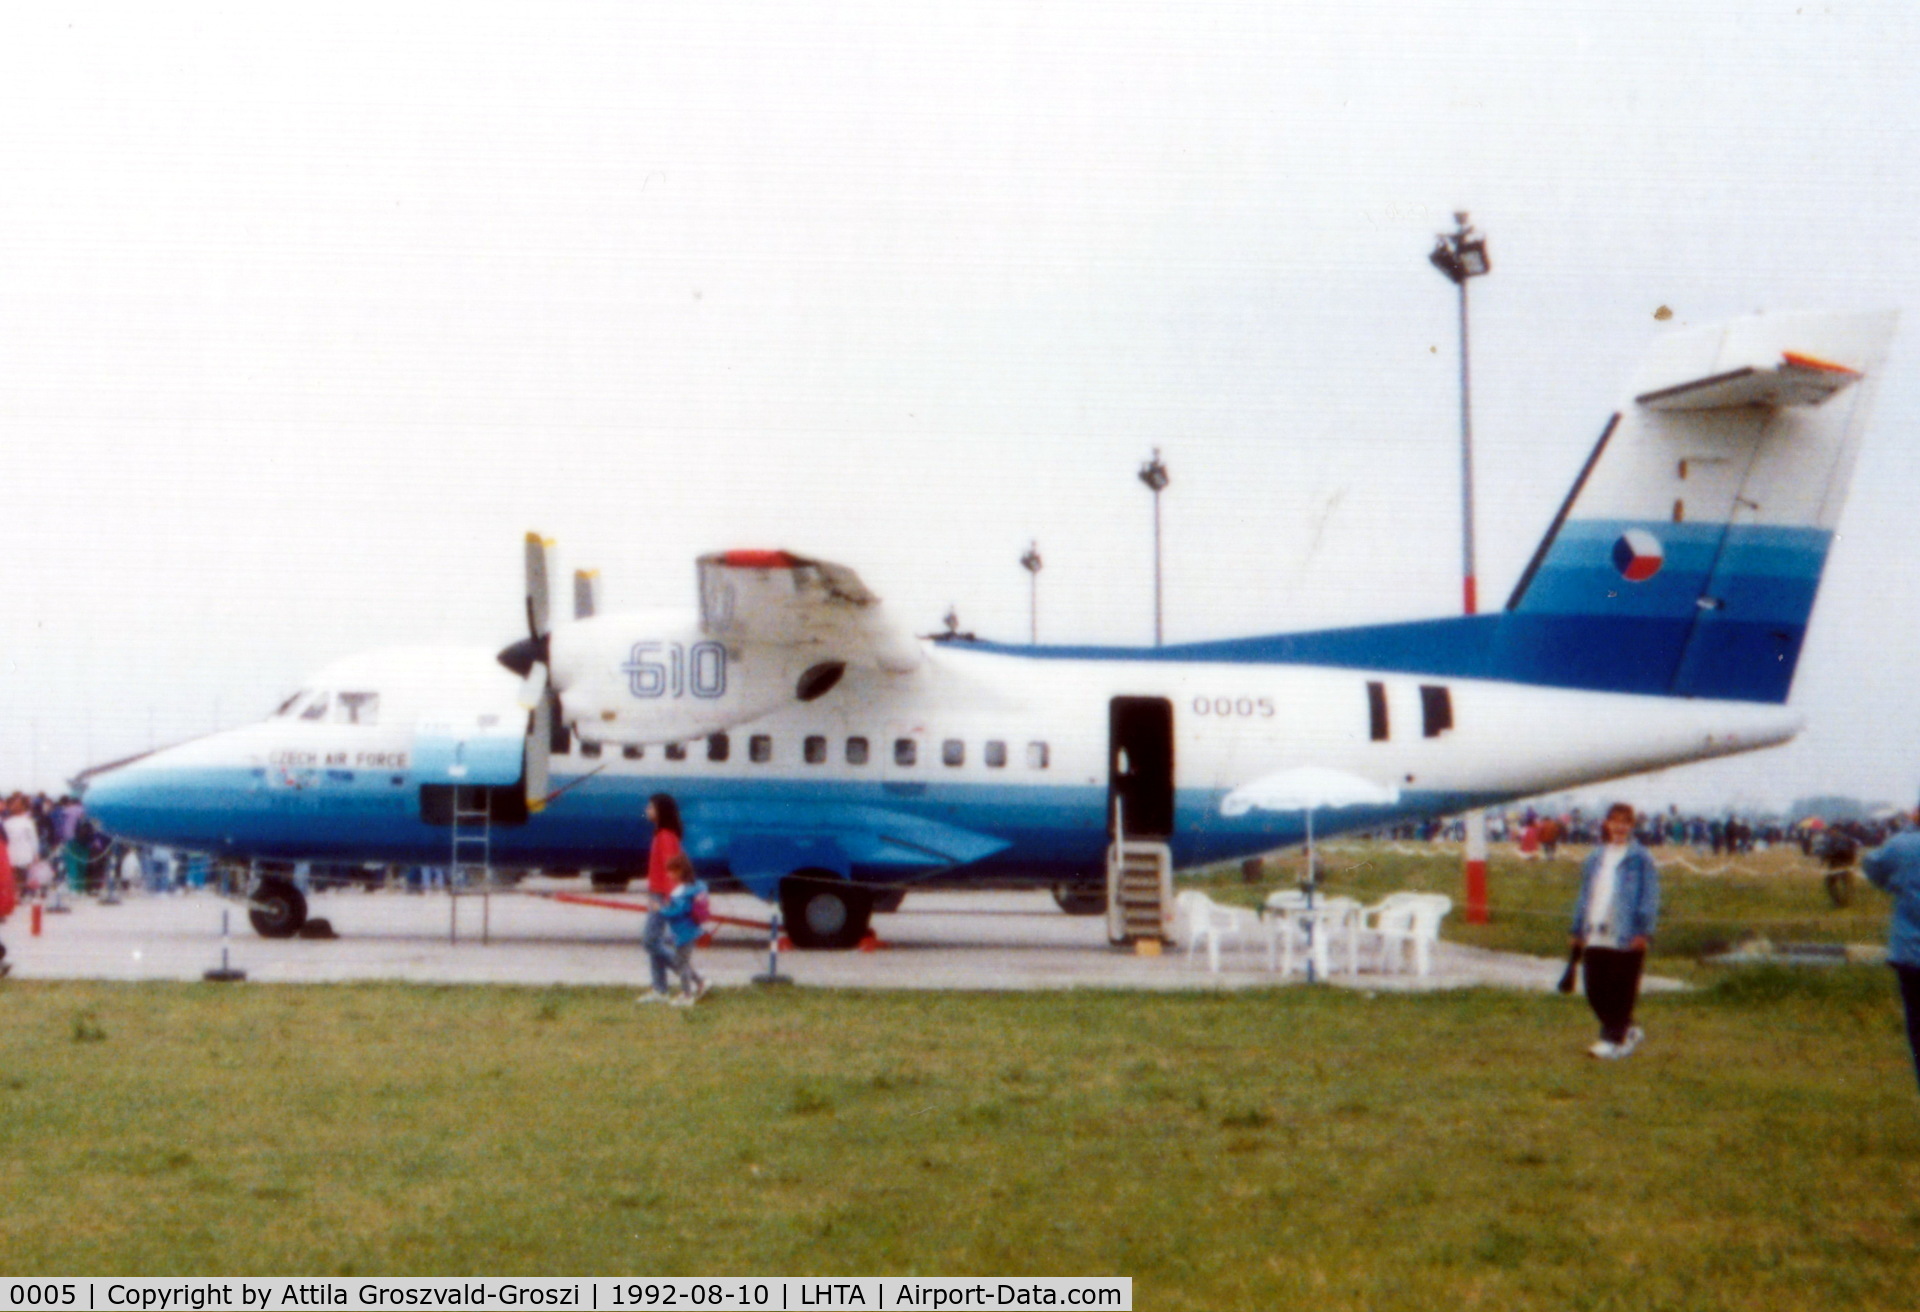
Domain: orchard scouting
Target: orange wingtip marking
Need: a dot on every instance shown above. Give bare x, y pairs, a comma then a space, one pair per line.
1799, 361
758, 559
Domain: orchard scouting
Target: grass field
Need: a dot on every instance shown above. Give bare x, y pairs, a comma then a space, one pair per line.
1270, 1149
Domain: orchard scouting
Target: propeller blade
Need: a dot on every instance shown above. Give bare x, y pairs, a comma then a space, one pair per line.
533, 688
538, 753
538, 621
586, 593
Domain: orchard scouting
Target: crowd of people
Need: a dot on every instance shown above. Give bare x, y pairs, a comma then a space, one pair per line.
1537, 833
52, 843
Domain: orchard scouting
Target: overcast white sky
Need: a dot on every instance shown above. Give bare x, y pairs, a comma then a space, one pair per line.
305, 321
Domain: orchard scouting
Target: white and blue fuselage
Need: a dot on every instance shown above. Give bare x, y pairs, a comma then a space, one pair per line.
1660, 622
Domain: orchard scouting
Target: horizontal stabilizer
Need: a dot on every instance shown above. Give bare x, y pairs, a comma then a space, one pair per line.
1795, 380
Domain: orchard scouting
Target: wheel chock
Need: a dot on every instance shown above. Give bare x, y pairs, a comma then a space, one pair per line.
786, 944
870, 942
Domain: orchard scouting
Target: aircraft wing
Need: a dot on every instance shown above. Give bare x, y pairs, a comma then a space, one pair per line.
775, 598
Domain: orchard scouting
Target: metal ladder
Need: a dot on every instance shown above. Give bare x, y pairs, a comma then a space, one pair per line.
471, 868
1139, 888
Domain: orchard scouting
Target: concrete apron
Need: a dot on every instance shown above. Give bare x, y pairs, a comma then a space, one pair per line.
939, 940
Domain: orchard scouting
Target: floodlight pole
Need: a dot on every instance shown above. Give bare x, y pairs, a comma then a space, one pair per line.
1461, 256
1031, 563
1154, 475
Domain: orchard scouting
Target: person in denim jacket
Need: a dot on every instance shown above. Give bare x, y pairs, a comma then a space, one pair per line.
681, 917
1613, 923
1895, 868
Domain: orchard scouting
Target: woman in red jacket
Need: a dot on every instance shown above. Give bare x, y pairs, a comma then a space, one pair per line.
9, 898
664, 814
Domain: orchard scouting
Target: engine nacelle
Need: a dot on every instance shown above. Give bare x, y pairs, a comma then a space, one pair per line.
658, 677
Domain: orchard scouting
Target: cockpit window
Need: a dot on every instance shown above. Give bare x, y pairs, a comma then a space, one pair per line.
357, 708
286, 707
316, 709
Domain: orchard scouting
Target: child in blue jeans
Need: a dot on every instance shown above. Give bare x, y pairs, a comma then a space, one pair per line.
683, 913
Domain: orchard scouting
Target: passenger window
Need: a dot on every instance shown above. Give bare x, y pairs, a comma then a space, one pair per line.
590, 750
719, 747
1436, 709
357, 708
814, 749
633, 753
1377, 711
856, 751
760, 748
1036, 756
317, 711
676, 751
953, 752
905, 751
996, 754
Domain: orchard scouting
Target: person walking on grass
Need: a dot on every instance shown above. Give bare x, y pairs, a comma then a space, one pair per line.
1895, 868
663, 813
682, 915
1613, 923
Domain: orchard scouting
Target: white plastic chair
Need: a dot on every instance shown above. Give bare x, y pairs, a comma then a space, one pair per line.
1283, 927
1403, 920
1388, 922
1202, 918
1342, 921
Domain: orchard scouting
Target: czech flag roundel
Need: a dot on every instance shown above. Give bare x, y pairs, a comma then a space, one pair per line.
1638, 555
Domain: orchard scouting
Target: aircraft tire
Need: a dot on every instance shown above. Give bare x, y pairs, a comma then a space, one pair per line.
823, 911
1081, 899
612, 881
277, 909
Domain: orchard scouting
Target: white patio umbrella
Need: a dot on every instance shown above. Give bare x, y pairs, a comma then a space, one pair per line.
1307, 788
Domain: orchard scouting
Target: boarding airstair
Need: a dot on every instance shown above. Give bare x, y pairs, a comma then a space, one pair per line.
470, 869
1139, 888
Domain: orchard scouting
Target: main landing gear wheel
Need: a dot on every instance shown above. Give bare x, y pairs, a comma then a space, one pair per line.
1081, 899
277, 909
821, 911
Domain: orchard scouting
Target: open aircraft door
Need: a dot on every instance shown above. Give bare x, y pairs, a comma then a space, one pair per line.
1140, 768
464, 771
1139, 819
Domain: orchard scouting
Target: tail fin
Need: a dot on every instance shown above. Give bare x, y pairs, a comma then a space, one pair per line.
1689, 552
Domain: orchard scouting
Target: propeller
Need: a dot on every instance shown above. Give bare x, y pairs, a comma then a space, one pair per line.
530, 658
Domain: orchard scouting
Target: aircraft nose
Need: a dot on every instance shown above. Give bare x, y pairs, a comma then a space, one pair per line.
522, 656
109, 796
140, 800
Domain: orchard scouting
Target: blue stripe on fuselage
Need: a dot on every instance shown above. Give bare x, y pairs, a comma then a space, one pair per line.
1731, 631
1032, 833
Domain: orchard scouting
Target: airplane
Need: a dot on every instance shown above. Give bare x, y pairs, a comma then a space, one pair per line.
826, 759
